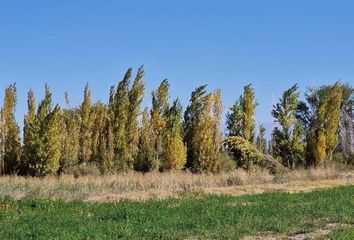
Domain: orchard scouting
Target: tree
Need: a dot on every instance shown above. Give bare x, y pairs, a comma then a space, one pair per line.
244, 152
249, 105
119, 111
160, 106
175, 152
240, 119
207, 138
1, 145
192, 117
10, 132
135, 95
86, 127
234, 118
261, 142
288, 144
45, 140
145, 161
28, 133
323, 136
70, 129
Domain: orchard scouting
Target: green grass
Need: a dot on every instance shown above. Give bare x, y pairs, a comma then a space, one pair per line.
201, 216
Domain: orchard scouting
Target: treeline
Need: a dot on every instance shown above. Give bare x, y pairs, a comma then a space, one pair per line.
119, 136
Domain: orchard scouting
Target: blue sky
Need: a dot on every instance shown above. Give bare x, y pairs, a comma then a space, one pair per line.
225, 44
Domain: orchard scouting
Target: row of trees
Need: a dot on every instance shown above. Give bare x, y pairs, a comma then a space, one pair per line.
119, 136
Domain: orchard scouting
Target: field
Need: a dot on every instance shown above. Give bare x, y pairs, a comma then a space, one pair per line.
303, 204
269, 215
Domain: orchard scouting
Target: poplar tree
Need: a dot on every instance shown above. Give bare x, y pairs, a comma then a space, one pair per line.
10, 132
234, 117
323, 137
192, 117
261, 142
107, 148
288, 144
175, 152
86, 127
249, 105
160, 106
119, 111
70, 130
45, 140
98, 116
1, 146
29, 134
135, 95
145, 161
207, 138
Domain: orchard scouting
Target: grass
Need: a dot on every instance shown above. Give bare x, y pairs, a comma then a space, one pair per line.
139, 186
189, 217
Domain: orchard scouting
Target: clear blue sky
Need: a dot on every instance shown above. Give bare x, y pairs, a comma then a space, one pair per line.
223, 43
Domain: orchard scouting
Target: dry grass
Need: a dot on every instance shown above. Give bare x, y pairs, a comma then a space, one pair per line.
137, 186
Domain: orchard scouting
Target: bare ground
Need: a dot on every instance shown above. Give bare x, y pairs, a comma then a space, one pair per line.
303, 236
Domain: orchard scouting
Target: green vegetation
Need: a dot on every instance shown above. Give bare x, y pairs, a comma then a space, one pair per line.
118, 136
196, 216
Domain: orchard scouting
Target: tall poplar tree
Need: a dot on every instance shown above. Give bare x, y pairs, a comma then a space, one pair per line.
175, 152
119, 111
145, 161
86, 125
207, 138
45, 140
261, 141
288, 140
29, 135
249, 105
70, 129
135, 95
323, 135
10, 132
192, 117
234, 119
160, 106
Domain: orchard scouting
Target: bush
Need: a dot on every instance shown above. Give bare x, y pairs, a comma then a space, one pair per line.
227, 163
84, 170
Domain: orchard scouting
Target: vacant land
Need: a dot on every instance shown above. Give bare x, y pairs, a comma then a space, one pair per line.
326, 214
135, 186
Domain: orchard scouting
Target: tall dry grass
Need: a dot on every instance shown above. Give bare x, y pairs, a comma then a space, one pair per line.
141, 186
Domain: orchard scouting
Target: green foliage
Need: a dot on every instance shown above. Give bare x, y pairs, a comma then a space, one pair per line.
261, 142
135, 95
10, 133
234, 117
175, 152
192, 117
240, 120
145, 161
207, 138
70, 133
44, 140
204, 217
86, 127
323, 133
288, 139
245, 153
249, 105
160, 106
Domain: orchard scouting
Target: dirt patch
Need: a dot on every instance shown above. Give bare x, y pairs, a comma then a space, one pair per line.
292, 187
303, 236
